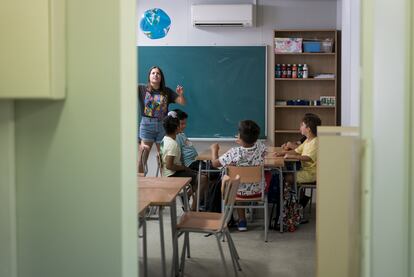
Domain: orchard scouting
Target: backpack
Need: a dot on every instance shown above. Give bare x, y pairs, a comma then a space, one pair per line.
292, 210
213, 201
272, 186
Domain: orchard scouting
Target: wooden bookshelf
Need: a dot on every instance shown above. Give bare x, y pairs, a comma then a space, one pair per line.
288, 118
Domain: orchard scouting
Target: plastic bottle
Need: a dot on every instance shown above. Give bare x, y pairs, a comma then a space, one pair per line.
294, 71
278, 71
305, 71
300, 71
289, 71
284, 71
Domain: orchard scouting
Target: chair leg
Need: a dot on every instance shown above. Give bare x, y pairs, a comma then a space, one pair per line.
266, 227
233, 249
164, 269
270, 217
182, 264
310, 201
221, 254
223, 237
233, 258
187, 240
234, 246
144, 244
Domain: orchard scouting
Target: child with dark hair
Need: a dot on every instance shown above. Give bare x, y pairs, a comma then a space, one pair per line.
250, 153
305, 153
188, 151
171, 153
291, 145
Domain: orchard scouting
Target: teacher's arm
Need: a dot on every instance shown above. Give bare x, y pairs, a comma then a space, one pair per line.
180, 98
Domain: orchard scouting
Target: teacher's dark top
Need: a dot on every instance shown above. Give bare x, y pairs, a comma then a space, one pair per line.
154, 104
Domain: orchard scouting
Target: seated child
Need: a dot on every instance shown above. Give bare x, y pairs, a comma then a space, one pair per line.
291, 145
188, 151
249, 153
305, 153
171, 153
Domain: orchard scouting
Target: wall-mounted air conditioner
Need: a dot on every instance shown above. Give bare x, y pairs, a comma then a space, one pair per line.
241, 15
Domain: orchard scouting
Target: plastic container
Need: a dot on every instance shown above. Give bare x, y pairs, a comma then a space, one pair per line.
327, 45
312, 46
288, 45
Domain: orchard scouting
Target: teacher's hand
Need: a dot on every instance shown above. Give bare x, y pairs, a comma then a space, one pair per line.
179, 90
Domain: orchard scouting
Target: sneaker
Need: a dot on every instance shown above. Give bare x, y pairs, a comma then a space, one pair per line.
242, 226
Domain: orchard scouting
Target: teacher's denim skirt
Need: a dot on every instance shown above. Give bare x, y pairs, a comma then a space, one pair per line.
151, 129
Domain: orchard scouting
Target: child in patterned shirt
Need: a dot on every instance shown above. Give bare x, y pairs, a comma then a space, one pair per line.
250, 153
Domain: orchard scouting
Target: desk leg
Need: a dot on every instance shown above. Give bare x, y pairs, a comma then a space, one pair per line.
186, 208
186, 201
280, 199
144, 238
294, 179
199, 185
161, 219
174, 267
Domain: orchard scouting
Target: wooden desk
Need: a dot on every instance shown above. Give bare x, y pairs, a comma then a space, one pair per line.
162, 191
142, 207
163, 182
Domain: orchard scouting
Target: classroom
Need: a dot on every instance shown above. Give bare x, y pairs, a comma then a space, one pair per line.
84, 193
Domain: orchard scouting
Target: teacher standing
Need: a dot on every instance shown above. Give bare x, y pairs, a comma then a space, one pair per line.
154, 98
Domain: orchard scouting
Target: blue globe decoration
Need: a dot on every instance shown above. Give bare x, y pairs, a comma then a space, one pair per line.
155, 23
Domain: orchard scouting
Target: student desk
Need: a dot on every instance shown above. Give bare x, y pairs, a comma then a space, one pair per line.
162, 191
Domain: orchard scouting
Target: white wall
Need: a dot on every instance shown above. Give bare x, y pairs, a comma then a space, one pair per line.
271, 14
350, 63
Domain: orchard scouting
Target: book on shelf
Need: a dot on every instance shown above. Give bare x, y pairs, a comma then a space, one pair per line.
324, 76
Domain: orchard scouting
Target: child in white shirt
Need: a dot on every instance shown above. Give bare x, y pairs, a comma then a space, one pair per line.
171, 153
250, 153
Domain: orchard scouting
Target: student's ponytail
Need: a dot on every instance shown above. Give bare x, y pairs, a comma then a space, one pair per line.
171, 123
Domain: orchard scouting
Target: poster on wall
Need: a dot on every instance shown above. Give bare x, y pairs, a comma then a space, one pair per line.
155, 23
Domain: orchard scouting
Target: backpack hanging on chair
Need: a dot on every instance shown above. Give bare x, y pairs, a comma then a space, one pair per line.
292, 210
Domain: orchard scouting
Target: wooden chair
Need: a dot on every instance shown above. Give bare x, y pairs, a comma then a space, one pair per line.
213, 223
249, 175
303, 187
159, 166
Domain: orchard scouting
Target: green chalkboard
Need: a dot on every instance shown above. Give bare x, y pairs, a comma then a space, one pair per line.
222, 84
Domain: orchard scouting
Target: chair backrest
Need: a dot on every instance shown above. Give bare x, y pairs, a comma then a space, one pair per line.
229, 187
248, 175
159, 165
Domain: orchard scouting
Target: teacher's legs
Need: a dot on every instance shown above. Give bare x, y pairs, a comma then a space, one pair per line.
150, 131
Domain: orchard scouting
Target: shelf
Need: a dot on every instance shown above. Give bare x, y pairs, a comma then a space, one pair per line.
301, 79
306, 54
287, 131
287, 118
303, 107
